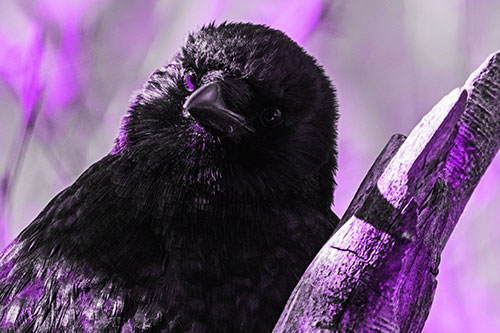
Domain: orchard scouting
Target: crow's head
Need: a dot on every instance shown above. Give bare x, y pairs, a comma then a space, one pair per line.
241, 107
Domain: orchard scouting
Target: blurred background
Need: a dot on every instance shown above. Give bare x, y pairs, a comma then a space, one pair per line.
68, 69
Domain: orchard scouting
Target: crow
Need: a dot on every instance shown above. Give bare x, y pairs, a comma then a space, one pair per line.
211, 204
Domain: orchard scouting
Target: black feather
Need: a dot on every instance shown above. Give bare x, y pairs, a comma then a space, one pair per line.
182, 227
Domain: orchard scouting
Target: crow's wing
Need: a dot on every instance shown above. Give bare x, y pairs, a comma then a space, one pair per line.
78, 265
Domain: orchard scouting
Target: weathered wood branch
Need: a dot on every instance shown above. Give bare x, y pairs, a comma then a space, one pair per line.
377, 273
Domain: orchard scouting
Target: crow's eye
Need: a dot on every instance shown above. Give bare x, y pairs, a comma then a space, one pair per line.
271, 117
190, 80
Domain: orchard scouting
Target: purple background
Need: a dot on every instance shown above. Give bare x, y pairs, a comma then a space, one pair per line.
391, 61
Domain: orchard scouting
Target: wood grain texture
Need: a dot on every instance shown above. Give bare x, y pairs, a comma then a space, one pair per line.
377, 273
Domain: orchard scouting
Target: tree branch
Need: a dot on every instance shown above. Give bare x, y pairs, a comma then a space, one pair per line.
378, 271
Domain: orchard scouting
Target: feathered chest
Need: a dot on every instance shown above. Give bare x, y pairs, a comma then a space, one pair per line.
147, 252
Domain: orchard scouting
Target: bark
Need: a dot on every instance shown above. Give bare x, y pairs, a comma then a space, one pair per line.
377, 273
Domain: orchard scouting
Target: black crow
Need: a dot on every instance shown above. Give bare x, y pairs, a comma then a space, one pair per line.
212, 203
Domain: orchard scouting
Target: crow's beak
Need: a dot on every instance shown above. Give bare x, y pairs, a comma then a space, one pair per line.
208, 107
